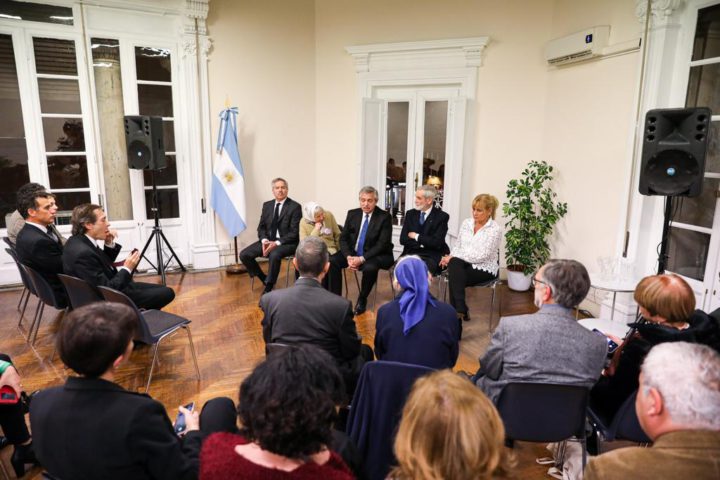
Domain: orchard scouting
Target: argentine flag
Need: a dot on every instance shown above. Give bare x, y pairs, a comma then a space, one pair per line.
228, 184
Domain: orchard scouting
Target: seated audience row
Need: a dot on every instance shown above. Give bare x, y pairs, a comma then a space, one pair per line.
365, 242
41, 247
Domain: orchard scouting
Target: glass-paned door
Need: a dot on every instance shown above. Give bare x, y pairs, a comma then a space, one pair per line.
693, 235
13, 150
63, 129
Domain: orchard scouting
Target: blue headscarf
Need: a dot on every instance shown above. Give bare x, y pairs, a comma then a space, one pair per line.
412, 275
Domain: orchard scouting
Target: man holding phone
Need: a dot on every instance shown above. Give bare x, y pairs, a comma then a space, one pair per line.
83, 259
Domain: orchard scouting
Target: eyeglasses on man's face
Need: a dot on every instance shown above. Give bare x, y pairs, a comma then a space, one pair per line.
535, 281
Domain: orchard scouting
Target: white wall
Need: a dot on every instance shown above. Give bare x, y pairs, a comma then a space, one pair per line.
284, 64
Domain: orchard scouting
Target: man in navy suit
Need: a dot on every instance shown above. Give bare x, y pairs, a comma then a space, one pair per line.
278, 234
366, 243
82, 258
424, 229
38, 246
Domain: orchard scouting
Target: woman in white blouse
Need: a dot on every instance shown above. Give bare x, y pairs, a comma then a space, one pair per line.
474, 257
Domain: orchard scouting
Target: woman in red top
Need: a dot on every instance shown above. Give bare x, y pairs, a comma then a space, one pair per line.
287, 408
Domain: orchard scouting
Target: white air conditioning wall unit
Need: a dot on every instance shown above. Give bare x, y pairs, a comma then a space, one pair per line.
579, 46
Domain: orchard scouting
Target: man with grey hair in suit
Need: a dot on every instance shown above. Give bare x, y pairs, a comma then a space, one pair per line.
678, 406
548, 346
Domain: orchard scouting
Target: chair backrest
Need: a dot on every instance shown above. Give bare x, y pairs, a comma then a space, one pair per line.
273, 348
543, 412
42, 288
79, 291
23, 273
9, 242
625, 424
143, 331
376, 409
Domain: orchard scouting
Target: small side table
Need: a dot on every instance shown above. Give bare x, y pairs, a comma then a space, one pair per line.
613, 285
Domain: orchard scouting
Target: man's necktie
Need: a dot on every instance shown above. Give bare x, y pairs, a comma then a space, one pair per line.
274, 223
51, 234
422, 218
363, 232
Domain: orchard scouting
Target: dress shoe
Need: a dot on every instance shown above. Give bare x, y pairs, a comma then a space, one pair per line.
361, 305
23, 455
463, 316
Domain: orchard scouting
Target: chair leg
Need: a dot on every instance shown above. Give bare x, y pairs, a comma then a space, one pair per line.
25, 290
287, 274
192, 350
22, 313
492, 310
152, 366
36, 323
347, 291
252, 284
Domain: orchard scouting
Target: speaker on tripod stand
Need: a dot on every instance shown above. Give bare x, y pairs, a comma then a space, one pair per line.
146, 151
673, 159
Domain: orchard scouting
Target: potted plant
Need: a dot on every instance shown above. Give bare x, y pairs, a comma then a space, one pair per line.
530, 214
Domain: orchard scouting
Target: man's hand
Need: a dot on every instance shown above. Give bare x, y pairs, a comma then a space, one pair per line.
354, 263
269, 247
445, 260
132, 261
11, 378
412, 235
110, 237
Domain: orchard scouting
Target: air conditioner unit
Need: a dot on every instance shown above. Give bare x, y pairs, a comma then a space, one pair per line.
577, 47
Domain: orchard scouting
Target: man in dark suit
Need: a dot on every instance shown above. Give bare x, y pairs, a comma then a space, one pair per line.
366, 243
278, 234
82, 258
16, 221
37, 245
424, 229
308, 314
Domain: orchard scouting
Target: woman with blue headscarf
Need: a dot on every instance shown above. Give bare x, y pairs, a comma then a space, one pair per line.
415, 327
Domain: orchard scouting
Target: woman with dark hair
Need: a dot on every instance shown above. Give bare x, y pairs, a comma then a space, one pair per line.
287, 408
667, 307
12, 419
91, 427
474, 257
416, 328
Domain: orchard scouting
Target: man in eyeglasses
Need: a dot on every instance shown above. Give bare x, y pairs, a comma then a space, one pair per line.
548, 346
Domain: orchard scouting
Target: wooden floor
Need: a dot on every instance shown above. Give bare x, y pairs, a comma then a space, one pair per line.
227, 335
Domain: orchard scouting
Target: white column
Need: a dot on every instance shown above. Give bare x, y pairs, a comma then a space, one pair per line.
204, 251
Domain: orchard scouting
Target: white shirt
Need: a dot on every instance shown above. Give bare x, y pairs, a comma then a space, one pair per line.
479, 248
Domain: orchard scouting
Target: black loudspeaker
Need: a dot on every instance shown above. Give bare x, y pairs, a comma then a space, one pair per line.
673, 154
145, 145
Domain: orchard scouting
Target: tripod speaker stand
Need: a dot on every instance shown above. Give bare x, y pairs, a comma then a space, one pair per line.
159, 237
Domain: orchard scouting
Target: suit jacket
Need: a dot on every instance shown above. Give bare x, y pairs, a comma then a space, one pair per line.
308, 314
378, 239
683, 454
432, 234
17, 222
83, 259
38, 251
545, 347
288, 222
432, 343
91, 428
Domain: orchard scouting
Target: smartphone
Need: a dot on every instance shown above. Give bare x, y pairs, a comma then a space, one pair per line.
8, 395
612, 346
180, 424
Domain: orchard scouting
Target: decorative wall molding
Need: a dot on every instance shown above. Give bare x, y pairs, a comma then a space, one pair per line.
660, 10
445, 53
196, 10
189, 47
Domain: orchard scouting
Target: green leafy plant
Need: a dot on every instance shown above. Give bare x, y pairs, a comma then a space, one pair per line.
530, 213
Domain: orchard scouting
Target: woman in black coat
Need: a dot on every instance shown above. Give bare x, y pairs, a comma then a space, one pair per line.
667, 307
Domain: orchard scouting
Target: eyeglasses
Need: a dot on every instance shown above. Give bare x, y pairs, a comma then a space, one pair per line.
535, 281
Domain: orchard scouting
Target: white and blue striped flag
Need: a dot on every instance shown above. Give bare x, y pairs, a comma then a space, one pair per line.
228, 184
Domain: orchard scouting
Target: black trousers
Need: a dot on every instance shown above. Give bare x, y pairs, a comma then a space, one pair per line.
369, 270
461, 274
253, 251
332, 282
148, 295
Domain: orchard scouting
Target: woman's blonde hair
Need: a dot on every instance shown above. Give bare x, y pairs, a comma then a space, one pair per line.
667, 295
485, 201
449, 430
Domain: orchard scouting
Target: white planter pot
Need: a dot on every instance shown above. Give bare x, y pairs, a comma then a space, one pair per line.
518, 281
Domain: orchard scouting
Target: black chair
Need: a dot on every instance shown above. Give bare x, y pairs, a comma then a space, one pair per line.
375, 413
288, 261
47, 297
357, 283
13, 253
273, 348
79, 291
492, 284
27, 283
544, 412
153, 327
624, 426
